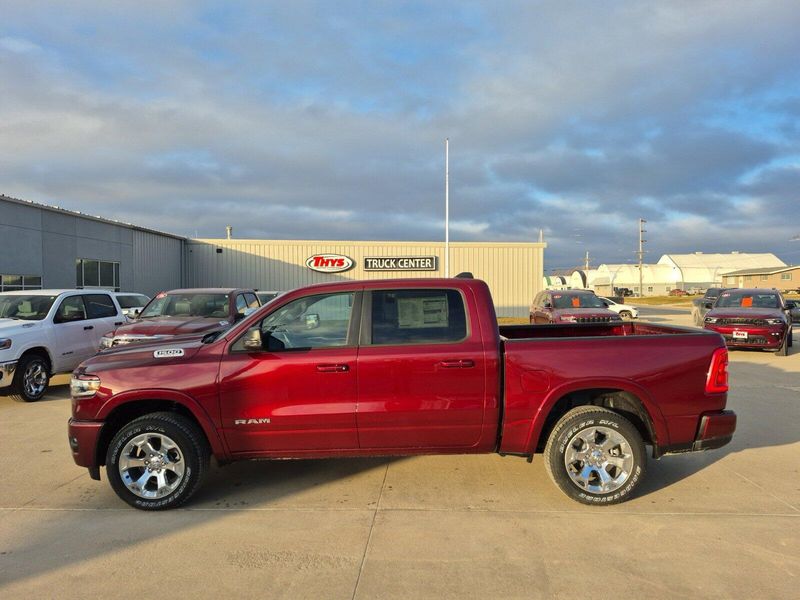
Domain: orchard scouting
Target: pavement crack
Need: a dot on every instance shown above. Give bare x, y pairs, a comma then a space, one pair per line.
369, 536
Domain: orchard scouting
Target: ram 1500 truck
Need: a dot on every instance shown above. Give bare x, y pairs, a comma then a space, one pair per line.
399, 367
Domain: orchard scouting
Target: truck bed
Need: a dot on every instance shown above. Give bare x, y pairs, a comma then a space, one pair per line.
663, 367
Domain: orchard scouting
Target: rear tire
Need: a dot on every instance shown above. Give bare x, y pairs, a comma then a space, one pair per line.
157, 461
596, 456
31, 378
626, 314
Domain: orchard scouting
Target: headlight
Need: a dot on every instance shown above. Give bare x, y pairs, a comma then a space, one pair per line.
569, 319
776, 322
615, 318
710, 319
5, 343
106, 342
84, 386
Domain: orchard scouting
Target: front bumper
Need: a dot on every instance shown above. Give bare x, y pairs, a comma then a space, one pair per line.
7, 373
757, 337
83, 438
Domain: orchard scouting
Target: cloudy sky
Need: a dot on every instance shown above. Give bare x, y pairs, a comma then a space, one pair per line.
327, 120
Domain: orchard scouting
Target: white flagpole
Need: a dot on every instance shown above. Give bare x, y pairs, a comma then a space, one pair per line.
447, 207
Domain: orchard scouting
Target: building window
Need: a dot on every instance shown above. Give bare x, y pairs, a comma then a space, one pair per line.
765, 278
650, 288
91, 274
786, 276
748, 277
15, 283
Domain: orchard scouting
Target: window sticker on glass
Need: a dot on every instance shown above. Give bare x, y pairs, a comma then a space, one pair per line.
417, 313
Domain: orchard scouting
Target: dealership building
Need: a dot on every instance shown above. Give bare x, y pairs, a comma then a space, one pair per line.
49, 247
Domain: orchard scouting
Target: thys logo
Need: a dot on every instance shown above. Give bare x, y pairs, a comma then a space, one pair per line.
330, 263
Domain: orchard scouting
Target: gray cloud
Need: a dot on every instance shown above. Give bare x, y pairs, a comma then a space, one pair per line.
318, 120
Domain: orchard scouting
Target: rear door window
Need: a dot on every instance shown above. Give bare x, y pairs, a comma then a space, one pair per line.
418, 316
99, 306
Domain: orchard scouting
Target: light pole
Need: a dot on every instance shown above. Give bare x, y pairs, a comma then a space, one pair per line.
447, 207
642, 231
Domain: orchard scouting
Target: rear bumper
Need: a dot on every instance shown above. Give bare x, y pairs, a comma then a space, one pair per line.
714, 430
83, 438
7, 373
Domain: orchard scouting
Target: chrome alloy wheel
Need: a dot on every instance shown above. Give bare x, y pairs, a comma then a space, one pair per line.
151, 465
598, 459
34, 379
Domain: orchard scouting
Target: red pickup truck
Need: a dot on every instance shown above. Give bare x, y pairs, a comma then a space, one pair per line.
399, 367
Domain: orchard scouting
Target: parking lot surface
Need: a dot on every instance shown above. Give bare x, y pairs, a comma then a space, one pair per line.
721, 524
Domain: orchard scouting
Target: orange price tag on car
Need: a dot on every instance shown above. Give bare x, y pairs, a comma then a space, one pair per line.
576, 302
747, 301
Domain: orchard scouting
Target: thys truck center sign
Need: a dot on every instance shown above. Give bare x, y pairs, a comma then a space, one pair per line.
335, 263
400, 263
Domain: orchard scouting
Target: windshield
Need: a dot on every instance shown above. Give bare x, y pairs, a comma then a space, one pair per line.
577, 301
132, 301
187, 305
748, 300
27, 308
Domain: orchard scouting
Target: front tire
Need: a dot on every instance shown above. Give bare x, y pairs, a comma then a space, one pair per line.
595, 455
784, 349
31, 378
157, 461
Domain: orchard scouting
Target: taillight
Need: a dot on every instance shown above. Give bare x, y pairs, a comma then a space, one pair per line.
717, 380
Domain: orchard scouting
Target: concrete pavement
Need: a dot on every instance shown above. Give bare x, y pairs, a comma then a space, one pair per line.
723, 524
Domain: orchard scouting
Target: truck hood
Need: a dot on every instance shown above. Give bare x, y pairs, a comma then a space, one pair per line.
173, 350
172, 326
746, 313
11, 327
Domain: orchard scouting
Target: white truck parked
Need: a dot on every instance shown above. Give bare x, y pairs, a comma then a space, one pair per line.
45, 332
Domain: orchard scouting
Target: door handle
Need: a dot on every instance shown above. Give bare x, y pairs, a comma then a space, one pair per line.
457, 364
88, 327
333, 368
117, 322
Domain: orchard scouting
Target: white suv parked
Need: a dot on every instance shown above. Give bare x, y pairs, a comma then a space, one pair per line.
45, 332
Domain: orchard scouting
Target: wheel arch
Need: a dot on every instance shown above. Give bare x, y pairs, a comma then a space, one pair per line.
122, 409
622, 397
40, 350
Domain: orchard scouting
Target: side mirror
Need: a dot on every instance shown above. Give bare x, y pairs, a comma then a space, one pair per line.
708, 305
252, 340
791, 305
605, 304
136, 311
547, 305
312, 321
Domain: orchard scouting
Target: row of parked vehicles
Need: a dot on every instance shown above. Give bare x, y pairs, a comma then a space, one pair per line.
394, 367
45, 332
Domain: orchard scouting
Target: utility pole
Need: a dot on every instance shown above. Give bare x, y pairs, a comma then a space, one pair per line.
447, 207
641, 252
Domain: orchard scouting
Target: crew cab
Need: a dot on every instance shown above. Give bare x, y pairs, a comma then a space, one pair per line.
571, 306
184, 312
399, 367
44, 332
752, 318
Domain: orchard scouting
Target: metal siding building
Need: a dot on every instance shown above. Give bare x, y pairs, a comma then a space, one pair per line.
46, 242
512, 270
